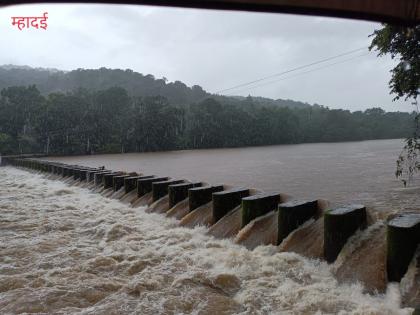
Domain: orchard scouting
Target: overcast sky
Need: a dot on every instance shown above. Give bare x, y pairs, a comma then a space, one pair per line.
214, 49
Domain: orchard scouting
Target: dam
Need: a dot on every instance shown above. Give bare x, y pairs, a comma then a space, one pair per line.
364, 259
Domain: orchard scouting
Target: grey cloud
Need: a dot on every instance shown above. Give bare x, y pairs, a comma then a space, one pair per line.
214, 49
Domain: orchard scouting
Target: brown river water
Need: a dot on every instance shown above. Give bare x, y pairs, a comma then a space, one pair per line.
350, 172
67, 250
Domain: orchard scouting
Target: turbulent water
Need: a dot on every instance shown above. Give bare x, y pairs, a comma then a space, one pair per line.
64, 249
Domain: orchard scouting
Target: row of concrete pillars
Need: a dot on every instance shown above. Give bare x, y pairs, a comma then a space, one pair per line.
403, 231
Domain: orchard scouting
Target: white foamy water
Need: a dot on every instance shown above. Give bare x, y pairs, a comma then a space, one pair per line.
66, 250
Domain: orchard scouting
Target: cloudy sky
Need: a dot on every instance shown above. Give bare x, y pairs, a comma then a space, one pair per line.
214, 49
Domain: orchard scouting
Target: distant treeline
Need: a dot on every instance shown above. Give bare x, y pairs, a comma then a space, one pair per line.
137, 84
111, 120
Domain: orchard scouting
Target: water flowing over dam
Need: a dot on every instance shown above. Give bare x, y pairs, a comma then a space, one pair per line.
86, 240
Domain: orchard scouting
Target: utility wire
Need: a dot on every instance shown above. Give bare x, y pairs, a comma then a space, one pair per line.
299, 74
292, 70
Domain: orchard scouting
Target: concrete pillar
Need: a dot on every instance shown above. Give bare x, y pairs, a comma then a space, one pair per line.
258, 205
403, 237
144, 186
65, 172
179, 192
44, 167
224, 201
339, 225
199, 196
130, 183
160, 189
71, 171
292, 214
90, 176
83, 174
109, 178
58, 169
98, 177
118, 181
76, 173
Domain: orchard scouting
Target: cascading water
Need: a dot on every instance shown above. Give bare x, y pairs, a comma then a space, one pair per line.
67, 250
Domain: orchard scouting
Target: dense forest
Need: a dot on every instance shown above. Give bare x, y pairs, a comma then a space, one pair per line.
177, 93
100, 119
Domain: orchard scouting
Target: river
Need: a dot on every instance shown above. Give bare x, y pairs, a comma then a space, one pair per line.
346, 172
67, 250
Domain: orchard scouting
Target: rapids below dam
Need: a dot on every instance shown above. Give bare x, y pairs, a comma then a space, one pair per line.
67, 250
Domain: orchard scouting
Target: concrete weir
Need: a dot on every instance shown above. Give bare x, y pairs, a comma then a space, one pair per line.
339, 225
250, 217
224, 201
403, 237
118, 182
80, 173
130, 182
67, 171
258, 205
160, 189
292, 214
144, 185
108, 179
83, 174
98, 177
179, 192
201, 195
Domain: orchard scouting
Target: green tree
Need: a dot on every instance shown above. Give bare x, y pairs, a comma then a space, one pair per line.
403, 43
19, 108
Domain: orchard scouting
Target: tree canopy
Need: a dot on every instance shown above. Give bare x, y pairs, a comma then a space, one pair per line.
111, 120
136, 84
403, 43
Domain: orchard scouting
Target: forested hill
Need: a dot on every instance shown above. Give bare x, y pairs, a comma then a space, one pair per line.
136, 84
111, 121
108, 111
